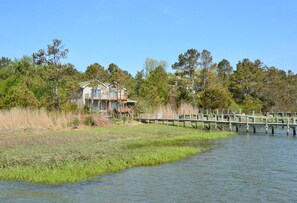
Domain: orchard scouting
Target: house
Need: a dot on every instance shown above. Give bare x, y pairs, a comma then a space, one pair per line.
104, 97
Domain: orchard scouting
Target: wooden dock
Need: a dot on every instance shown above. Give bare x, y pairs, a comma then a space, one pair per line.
231, 122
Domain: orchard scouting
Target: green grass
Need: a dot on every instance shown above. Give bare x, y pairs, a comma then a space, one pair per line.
74, 155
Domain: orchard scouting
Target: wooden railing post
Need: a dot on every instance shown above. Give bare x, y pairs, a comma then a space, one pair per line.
247, 124
266, 125
288, 126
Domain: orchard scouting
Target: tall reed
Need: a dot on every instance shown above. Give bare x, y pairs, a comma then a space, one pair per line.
168, 111
18, 118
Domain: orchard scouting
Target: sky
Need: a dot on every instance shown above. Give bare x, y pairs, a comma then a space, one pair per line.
127, 32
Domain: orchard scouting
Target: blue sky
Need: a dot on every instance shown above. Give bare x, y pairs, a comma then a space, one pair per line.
126, 32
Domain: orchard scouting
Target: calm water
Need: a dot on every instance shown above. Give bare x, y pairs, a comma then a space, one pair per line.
255, 168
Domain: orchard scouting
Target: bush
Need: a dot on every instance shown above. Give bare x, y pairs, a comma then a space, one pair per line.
124, 119
251, 104
85, 110
69, 108
115, 113
89, 121
74, 123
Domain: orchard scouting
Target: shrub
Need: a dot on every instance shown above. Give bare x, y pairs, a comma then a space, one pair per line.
69, 108
115, 113
124, 119
74, 123
89, 121
85, 110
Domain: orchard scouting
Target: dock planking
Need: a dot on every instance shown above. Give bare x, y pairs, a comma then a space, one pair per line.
234, 121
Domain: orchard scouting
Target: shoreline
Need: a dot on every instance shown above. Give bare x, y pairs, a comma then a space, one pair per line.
69, 156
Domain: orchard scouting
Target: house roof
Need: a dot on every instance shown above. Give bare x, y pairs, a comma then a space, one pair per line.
86, 83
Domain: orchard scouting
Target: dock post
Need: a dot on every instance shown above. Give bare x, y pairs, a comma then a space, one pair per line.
288, 126
272, 130
266, 125
202, 121
254, 129
230, 125
247, 124
237, 128
294, 128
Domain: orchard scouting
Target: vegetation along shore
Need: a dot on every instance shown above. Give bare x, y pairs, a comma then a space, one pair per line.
65, 156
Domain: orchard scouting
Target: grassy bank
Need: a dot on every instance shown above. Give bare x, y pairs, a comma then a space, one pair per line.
59, 157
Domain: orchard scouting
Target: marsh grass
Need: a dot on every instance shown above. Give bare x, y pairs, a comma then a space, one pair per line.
67, 156
168, 111
18, 118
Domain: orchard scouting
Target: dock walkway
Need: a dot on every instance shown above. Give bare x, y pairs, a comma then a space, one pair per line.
232, 121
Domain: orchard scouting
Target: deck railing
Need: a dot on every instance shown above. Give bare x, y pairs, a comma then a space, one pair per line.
106, 96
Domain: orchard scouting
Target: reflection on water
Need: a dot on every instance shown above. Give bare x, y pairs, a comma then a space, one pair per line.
248, 168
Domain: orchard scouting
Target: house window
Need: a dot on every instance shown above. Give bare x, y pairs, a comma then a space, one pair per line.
96, 92
114, 105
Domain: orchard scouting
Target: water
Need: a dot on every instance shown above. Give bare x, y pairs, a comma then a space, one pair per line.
254, 168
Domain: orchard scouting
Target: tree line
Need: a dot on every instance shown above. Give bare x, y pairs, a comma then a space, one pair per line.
43, 81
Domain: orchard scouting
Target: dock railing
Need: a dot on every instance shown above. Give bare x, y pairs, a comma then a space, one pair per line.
223, 120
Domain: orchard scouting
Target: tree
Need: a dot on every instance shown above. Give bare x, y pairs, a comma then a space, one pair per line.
192, 73
155, 88
224, 69
137, 84
16, 87
4, 61
178, 91
206, 61
215, 98
186, 68
119, 78
96, 71
247, 80
151, 64
250, 104
187, 64
52, 59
